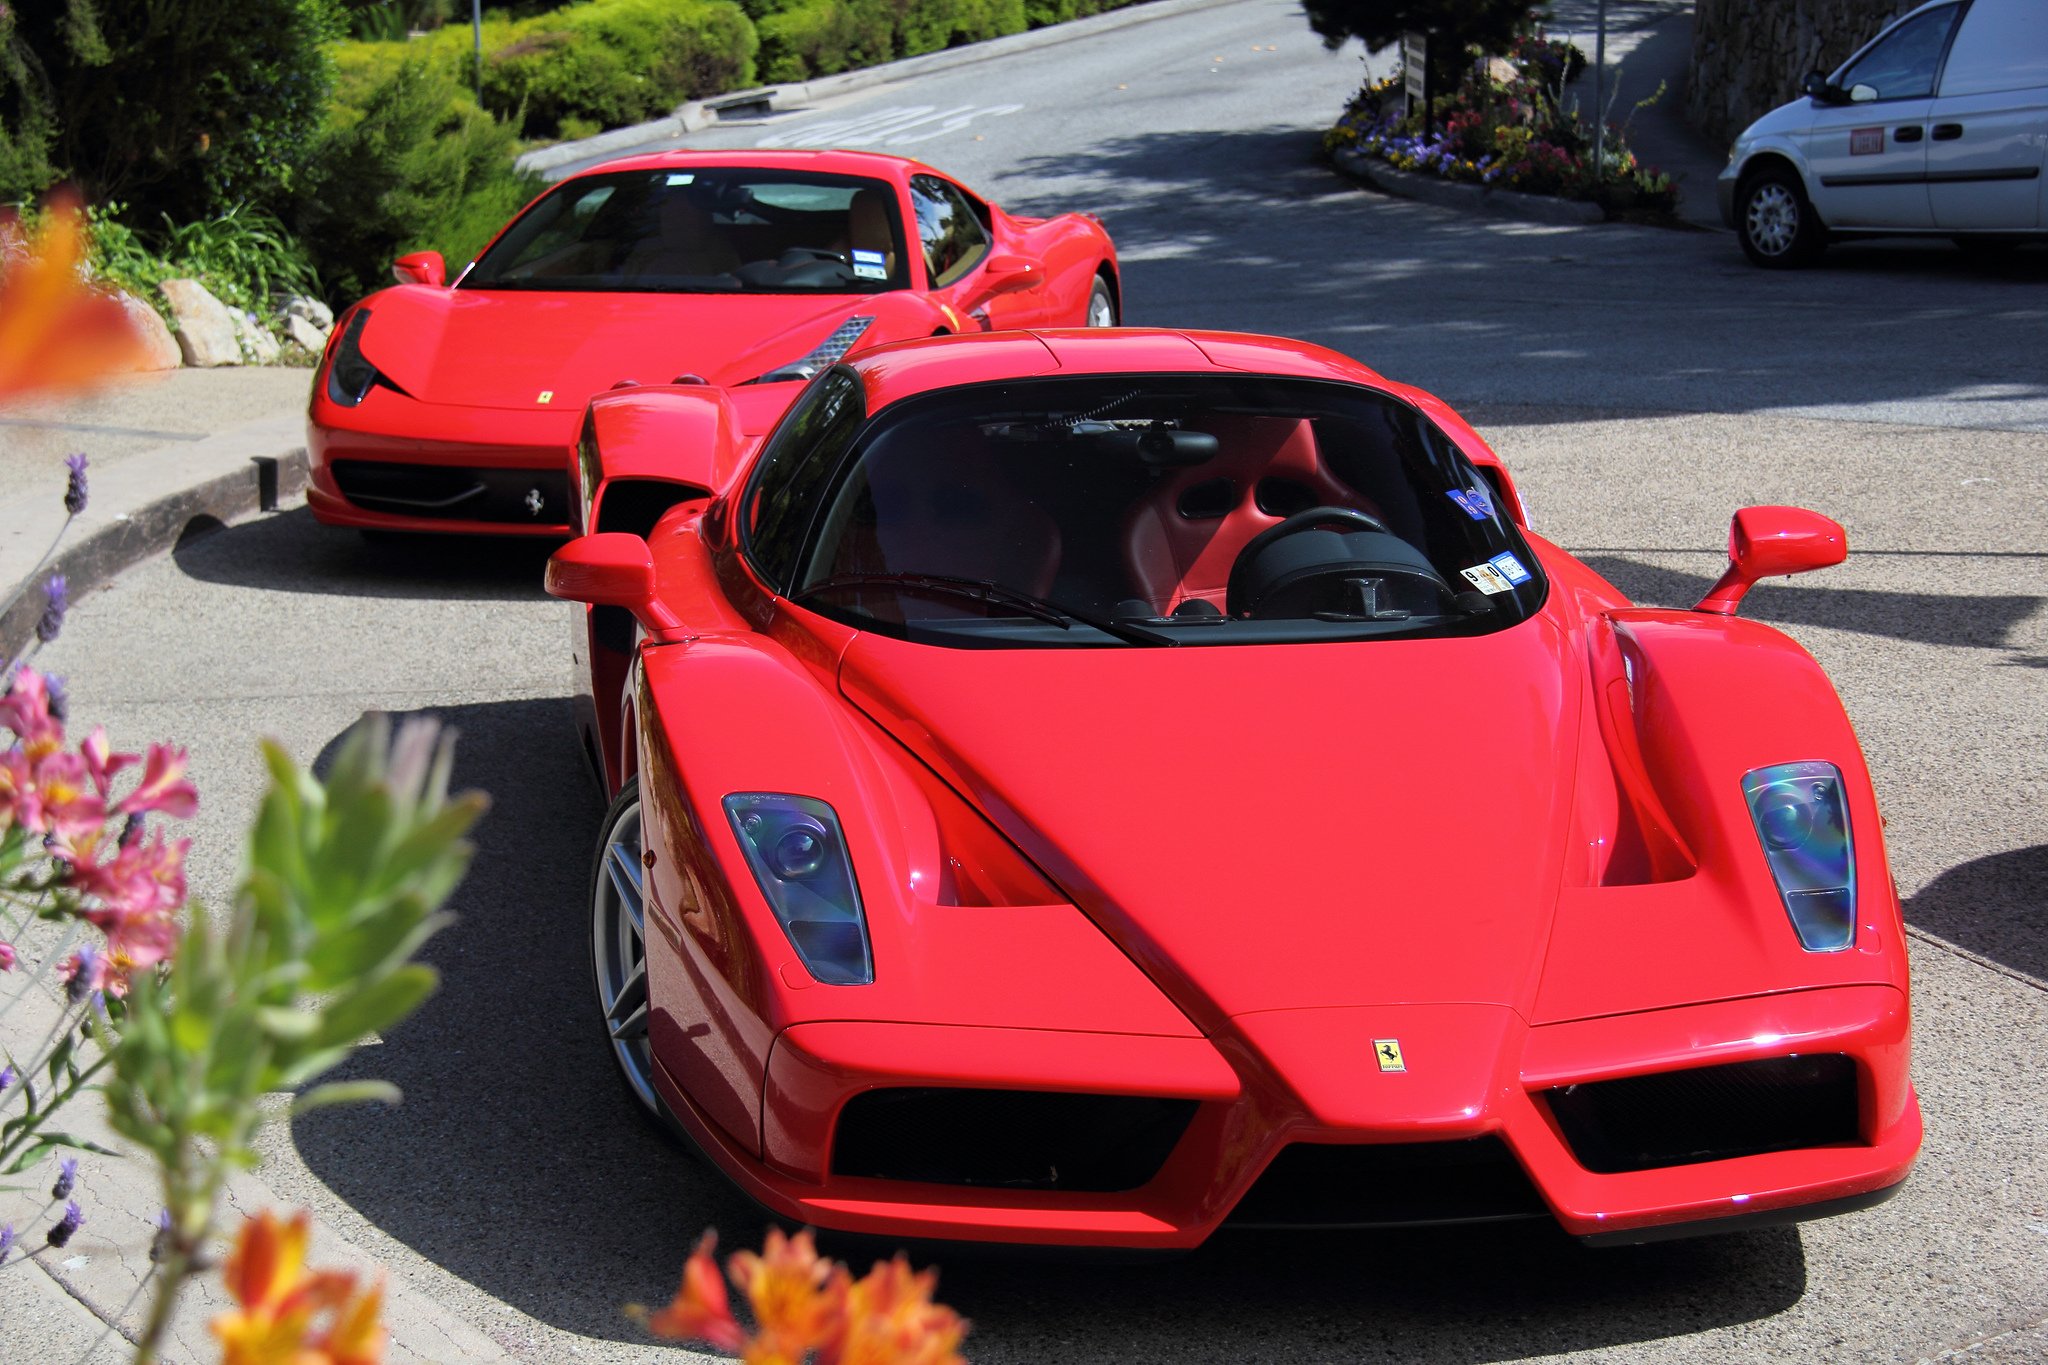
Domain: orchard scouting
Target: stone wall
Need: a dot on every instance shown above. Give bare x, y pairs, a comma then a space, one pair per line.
1749, 56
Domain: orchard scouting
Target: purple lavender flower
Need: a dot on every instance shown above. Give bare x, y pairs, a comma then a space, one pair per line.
60, 1231
6, 1242
74, 486
67, 1178
54, 607
160, 1245
60, 699
84, 975
6, 1078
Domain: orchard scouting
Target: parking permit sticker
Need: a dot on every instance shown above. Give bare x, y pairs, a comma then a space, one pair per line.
1474, 502
870, 265
1866, 141
1487, 579
1510, 568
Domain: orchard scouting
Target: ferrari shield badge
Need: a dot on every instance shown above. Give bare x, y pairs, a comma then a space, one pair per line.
1388, 1051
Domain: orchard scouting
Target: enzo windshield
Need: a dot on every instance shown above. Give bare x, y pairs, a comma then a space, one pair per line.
1163, 509
718, 231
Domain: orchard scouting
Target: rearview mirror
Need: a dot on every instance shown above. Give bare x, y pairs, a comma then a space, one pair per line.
1764, 542
420, 267
611, 569
1006, 274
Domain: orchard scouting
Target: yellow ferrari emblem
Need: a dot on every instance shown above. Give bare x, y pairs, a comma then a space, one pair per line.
546, 396
1388, 1050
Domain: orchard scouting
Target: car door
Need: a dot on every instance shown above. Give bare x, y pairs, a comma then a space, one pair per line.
957, 234
1987, 131
1868, 158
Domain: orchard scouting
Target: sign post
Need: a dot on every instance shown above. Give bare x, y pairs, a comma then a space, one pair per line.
1415, 74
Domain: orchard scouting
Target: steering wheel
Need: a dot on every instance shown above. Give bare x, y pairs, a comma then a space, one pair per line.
1259, 574
804, 255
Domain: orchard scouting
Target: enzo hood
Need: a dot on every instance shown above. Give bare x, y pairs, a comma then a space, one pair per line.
490, 348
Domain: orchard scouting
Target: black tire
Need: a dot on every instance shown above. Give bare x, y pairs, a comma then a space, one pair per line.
1102, 309
1775, 221
612, 961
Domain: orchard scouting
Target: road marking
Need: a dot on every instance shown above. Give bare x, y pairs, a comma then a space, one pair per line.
896, 126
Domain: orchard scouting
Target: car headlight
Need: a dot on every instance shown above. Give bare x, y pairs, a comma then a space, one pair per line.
1802, 820
827, 352
349, 375
798, 856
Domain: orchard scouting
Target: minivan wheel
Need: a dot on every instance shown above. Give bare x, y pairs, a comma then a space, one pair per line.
1777, 225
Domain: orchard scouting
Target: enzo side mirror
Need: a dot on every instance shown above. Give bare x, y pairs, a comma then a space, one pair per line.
421, 267
1007, 274
1764, 542
611, 569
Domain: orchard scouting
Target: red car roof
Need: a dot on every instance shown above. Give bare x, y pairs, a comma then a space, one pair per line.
831, 161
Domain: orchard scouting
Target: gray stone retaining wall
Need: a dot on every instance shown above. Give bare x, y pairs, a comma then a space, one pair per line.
1749, 56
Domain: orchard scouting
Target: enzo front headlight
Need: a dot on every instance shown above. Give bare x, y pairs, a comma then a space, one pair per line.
798, 856
349, 375
825, 354
1802, 819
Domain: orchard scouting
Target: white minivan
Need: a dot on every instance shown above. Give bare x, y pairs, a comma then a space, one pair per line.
1937, 125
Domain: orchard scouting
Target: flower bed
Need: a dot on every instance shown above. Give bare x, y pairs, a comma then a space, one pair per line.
1510, 125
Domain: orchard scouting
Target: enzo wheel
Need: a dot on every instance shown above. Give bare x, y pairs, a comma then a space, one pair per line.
1101, 304
1775, 221
618, 956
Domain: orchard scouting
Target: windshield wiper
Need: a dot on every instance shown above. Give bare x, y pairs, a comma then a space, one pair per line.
992, 594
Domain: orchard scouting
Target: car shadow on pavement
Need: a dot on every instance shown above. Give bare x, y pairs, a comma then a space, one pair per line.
1968, 620
517, 1163
291, 552
1991, 906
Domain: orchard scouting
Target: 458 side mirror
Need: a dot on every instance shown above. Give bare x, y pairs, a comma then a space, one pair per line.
1764, 542
420, 267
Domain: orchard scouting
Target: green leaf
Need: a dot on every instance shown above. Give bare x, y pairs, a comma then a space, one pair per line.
50, 1142
346, 1092
377, 1006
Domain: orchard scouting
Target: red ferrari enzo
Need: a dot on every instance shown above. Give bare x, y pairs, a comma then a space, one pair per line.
1101, 787
454, 407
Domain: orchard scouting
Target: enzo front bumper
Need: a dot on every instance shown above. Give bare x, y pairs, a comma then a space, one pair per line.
1292, 1121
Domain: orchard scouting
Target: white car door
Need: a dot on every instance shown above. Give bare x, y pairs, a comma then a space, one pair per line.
1988, 130
1868, 158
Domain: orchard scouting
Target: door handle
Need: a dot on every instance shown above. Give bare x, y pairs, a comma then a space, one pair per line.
1907, 132
1947, 132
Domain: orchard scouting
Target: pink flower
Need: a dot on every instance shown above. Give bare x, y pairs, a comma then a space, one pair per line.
142, 878
6, 957
164, 787
26, 711
85, 971
100, 761
136, 942
60, 798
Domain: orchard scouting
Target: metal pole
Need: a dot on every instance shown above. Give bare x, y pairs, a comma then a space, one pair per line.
1599, 97
476, 23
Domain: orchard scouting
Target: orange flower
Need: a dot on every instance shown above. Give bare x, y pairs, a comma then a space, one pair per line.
890, 1319
700, 1310
56, 332
281, 1302
793, 1292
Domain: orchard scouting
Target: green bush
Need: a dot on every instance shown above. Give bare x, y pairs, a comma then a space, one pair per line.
618, 61
819, 37
415, 166
1043, 12
243, 256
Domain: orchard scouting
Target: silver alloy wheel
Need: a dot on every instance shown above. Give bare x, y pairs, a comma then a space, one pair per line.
1101, 307
1772, 218
617, 940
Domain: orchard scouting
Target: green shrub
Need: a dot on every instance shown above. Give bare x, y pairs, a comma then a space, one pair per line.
417, 166
243, 256
618, 61
820, 37
1043, 12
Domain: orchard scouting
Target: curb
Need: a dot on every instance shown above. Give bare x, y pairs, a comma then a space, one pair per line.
143, 505
706, 113
1529, 208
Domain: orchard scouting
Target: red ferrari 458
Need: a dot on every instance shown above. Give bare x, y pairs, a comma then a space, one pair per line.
454, 407
1101, 787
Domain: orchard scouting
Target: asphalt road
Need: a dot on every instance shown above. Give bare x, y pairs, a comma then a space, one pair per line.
1642, 384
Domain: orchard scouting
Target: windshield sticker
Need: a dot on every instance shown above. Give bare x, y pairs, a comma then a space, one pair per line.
680, 178
1487, 579
1474, 502
870, 265
1510, 568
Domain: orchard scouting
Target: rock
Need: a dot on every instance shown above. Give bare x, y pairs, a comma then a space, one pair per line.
206, 329
1749, 56
1501, 70
305, 333
312, 310
159, 348
259, 347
